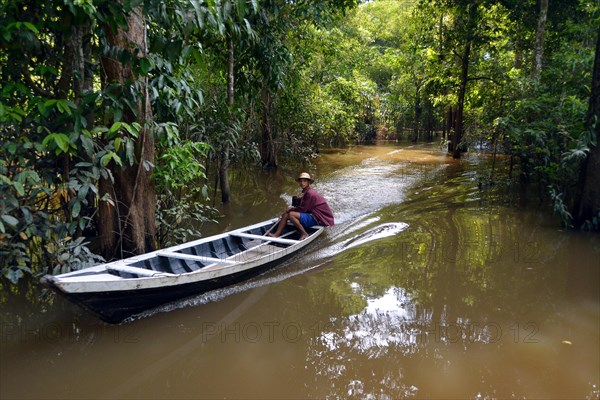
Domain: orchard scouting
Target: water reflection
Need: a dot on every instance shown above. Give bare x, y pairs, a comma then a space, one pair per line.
383, 323
394, 321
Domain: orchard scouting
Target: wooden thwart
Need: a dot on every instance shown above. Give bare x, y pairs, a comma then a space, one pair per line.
204, 259
265, 238
137, 271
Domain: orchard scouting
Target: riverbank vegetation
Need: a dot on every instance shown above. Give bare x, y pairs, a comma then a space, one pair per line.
120, 119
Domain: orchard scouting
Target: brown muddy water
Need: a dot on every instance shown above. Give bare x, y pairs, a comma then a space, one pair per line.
429, 286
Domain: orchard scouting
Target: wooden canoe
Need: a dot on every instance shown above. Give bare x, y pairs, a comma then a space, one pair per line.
118, 290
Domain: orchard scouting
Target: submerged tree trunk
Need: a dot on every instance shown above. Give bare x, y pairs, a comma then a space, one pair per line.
450, 128
458, 121
417, 115
267, 147
127, 221
224, 163
539, 39
587, 204
464, 77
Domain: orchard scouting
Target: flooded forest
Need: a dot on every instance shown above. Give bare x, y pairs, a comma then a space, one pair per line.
456, 142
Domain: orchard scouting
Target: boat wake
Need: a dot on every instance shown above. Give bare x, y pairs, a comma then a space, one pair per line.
379, 232
343, 243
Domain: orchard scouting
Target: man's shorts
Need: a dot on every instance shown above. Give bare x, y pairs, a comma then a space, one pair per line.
307, 220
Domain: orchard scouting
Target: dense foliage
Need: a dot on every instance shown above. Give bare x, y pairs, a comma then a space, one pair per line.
65, 128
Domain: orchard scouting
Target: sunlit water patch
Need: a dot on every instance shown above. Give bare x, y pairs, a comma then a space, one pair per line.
363, 189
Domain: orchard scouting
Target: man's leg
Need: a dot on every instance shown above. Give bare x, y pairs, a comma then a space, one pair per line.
281, 225
295, 218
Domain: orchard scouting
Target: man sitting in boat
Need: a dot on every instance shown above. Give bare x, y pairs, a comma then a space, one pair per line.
311, 210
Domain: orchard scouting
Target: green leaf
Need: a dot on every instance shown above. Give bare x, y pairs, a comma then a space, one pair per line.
27, 175
88, 144
61, 107
13, 275
76, 209
83, 191
148, 165
12, 148
19, 188
31, 27
82, 223
63, 143
118, 142
111, 155
114, 129
145, 66
133, 129
59, 139
27, 215
42, 109
81, 121
10, 220
105, 159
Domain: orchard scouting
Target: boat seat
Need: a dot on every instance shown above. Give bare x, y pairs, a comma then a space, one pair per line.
136, 271
202, 259
264, 238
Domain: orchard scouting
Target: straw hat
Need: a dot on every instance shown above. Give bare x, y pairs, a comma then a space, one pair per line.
305, 175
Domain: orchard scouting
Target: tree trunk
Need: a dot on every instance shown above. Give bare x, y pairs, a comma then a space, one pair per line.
464, 76
268, 156
70, 85
417, 116
539, 39
224, 164
450, 128
127, 221
72, 74
587, 202
458, 122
